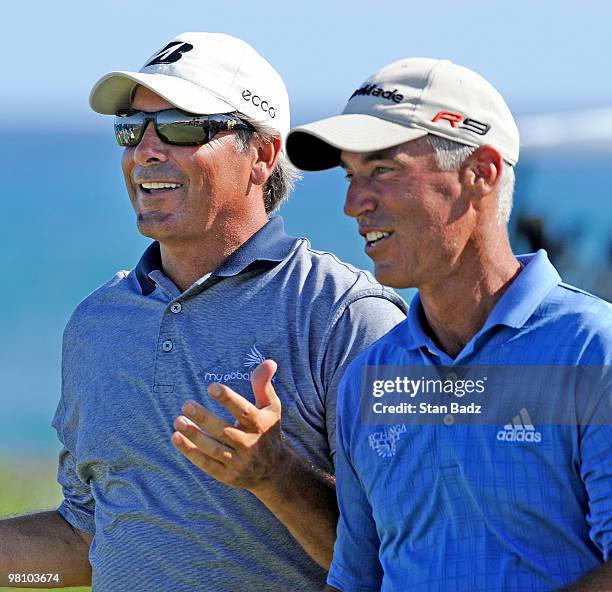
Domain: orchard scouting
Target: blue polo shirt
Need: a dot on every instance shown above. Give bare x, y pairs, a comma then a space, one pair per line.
453, 507
137, 348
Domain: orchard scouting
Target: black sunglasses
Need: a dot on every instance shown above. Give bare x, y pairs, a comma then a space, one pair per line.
174, 126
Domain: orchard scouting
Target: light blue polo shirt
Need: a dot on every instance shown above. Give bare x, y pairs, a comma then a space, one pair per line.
453, 507
137, 348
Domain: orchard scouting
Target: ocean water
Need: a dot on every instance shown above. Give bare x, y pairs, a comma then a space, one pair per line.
67, 226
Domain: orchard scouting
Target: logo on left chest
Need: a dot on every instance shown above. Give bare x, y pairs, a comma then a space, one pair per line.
251, 360
384, 442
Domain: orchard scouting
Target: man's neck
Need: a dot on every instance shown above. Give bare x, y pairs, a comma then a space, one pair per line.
185, 262
457, 308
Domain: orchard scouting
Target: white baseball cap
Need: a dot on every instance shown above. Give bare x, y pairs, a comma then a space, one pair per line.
203, 73
406, 100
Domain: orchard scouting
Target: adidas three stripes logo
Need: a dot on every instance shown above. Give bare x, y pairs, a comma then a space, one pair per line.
520, 429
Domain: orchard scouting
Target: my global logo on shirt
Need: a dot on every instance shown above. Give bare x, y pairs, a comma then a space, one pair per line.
251, 360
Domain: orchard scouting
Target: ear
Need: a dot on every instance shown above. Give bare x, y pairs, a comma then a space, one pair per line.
482, 172
264, 159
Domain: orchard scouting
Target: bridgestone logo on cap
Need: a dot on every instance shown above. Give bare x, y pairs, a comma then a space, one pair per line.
377, 91
173, 52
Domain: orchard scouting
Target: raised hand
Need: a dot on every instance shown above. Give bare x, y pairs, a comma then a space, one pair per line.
248, 454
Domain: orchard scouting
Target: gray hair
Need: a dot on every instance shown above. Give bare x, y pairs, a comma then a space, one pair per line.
283, 177
451, 155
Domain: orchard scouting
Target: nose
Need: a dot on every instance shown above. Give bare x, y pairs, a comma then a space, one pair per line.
150, 149
360, 199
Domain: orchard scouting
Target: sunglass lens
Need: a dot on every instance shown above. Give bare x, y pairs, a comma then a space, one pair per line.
183, 129
173, 126
129, 129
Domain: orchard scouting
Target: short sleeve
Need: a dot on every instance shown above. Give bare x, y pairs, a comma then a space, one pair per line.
355, 566
596, 463
78, 504
362, 322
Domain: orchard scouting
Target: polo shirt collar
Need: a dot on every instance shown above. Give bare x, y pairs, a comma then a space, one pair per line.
269, 244
537, 278
150, 261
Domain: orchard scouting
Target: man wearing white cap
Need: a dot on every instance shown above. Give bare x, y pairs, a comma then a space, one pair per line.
520, 499
154, 500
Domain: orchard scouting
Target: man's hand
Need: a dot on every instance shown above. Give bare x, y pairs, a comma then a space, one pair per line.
248, 454
253, 455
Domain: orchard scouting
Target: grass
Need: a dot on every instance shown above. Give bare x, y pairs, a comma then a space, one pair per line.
29, 486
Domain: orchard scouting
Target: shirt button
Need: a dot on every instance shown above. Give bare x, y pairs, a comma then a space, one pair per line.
448, 420
176, 308
167, 345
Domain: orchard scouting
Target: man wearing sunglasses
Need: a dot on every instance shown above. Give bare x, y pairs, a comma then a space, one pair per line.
209, 500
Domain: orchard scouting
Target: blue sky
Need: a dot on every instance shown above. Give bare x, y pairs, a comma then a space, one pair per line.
542, 55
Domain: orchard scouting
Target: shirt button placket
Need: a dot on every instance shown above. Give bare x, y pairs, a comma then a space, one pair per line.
165, 362
449, 419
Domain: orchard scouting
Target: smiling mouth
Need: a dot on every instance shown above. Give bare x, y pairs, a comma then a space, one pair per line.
373, 238
157, 187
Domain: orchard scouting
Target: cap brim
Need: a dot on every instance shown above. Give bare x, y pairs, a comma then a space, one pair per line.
317, 146
114, 92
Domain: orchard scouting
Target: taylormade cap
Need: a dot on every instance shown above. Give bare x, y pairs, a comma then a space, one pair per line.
404, 101
203, 73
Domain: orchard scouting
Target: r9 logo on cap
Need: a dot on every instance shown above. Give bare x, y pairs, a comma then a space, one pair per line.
248, 96
467, 123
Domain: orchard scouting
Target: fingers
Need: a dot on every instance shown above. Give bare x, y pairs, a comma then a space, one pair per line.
210, 447
261, 380
249, 417
214, 425
196, 456
244, 411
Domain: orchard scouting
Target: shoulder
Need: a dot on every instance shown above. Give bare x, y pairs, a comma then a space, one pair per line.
387, 350
583, 301
576, 307
579, 320
322, 275
122, 285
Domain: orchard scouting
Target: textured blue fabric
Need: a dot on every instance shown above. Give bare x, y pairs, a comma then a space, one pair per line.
137, 348
454, 508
